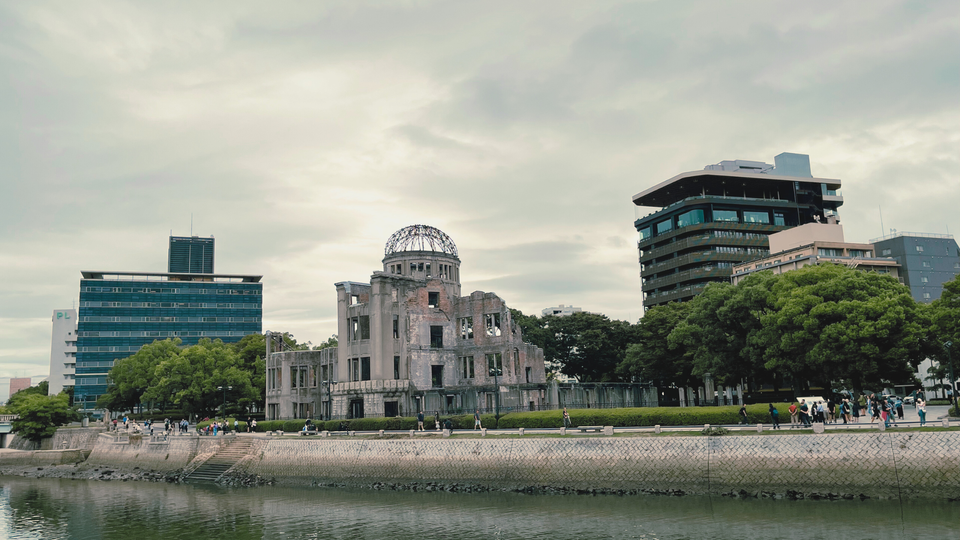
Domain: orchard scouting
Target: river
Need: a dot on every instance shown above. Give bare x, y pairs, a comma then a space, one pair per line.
48, 508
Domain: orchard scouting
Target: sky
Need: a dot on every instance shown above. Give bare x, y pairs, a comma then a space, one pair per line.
301, 135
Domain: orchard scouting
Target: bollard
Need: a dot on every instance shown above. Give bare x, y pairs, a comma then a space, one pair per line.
946, 421
352, 433
446, 433
608, 430
706, 426
380, 434
563, 431
483, 432
759, 428
656, 428
818, 427
413, 433
520, 431
881, 425
324, 433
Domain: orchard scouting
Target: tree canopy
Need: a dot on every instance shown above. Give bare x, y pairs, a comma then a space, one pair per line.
39, 415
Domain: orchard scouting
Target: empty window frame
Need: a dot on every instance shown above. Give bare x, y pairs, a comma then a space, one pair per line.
428, 270
433, 299
353, 329
436, 337
495, 365
492, 324
413, 267
354, 369
466, 367
293, 377
436, 376
466, 327
364, 327
419, 267
528, 374
396, 367
396, 327
365, 368
516, 362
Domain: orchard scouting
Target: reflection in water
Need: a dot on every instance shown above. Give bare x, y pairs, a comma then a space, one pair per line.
52, 508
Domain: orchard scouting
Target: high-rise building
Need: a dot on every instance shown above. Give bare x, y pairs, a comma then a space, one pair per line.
927, 261
19, 383
190, 255
709, 220
123, 311
63, 350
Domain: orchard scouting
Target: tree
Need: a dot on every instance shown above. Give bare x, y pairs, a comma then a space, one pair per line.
653, 357
131, 377
830, 323
945, 318
39, 415
41, 389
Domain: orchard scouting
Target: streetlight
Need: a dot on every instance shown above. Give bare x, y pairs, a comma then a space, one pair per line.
224, 388
953, 381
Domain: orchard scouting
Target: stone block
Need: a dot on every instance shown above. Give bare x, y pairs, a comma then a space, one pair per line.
946, 421
656, 428
413, 433
483, 432
706, 426
563, 431
353, 433
759, 428
520, 431
881, 426
817, 427
324, 433
380, 433
446, 433
608, 430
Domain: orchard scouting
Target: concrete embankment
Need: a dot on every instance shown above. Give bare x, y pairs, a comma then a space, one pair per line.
847, 465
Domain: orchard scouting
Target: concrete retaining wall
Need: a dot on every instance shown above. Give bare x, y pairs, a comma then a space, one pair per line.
173, 455
64, 438
42, 458
874, 464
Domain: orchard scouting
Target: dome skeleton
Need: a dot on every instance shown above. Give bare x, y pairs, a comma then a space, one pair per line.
420, 238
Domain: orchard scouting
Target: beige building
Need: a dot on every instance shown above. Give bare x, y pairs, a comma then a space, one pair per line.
408, 341
814, 243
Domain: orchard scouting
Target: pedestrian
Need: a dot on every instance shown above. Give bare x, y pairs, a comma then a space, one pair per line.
436, 419
830, 417
420, 421
215, 427
804, 413
249, 421
236, 426
856, 411
476, 420
743, 414
775, 416
922, 411
885, 412
899, 409
793, 415
253, 424
566, 418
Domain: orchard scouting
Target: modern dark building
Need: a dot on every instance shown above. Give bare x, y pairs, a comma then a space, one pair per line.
927, 261
122, 311
190, 255
707, 221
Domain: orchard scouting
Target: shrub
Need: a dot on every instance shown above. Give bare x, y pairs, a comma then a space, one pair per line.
644, 416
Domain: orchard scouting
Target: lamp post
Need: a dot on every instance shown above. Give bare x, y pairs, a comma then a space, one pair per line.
224, 388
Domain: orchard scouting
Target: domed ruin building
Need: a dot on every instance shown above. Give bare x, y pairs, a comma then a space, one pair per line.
408, 341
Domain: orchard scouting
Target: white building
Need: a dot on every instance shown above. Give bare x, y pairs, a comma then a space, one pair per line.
560, 311
63, 350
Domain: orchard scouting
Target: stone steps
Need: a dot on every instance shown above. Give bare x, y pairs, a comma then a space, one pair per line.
214, 467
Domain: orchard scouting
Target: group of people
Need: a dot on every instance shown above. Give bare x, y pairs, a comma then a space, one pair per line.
887, 409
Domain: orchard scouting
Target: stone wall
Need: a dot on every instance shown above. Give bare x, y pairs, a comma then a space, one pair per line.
875, 464
43, 458
173, 455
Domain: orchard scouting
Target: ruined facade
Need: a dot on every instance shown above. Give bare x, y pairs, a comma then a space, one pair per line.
408, 341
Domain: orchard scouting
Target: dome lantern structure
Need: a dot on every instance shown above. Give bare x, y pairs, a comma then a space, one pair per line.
420, 238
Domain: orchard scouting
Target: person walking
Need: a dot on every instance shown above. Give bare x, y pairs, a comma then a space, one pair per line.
804, 413
436, 419
855, 406
253, 424
566, 418
420, 421
775, 416
743, 414
476, 420
899, 409
922, 411
793, 415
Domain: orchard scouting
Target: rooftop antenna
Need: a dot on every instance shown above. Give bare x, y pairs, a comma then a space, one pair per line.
191, 223
881, 220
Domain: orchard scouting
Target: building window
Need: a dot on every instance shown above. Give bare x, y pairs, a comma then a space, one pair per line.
466, 327
528, 374
433, 299
436, 376
516, 362
396, 367
778, 219
926, 296
829, 252
355, 369
419, 267
725, 215
924, 279
494, 365
645, 233
396, 327
365, 368
428, 270
756, 217
466, 366
926, 264
665, 226
293, 377
364, 327
353, 329
393, 295
436, 337
885, 252
493, 324
919, 249
692, 217
413, 267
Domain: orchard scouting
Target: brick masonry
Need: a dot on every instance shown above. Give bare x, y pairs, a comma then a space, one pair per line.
885, 465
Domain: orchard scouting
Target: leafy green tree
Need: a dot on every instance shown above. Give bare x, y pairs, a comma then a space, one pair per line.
39, 390
131, 377
945, 318
653, 357
830, 323
39, 415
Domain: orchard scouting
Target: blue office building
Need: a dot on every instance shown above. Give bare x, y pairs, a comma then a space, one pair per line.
190, 254
122, 311
927, 261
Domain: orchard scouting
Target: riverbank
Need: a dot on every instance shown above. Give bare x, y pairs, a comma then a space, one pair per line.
904, 464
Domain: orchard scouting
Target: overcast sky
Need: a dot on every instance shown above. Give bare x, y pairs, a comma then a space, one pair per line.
302, 135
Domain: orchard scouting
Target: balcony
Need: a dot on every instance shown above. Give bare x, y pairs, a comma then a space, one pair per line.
670, 296
713, 273
762, 228
698, 257
704, 240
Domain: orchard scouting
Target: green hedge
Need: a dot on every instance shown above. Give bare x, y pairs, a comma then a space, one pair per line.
644, 416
